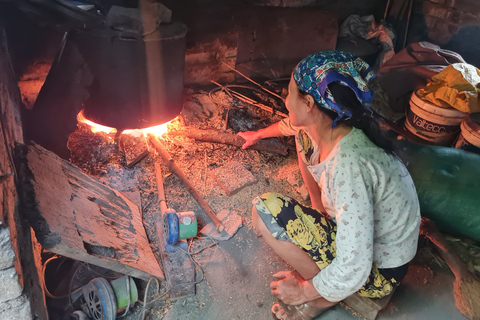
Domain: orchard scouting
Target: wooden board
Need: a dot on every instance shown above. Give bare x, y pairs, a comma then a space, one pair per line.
76, 216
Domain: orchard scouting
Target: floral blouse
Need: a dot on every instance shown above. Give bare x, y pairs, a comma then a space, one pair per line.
371, 197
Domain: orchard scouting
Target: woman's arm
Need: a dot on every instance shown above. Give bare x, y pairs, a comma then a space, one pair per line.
312, 185
252, 137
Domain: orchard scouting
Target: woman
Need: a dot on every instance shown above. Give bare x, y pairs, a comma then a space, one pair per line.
362, 228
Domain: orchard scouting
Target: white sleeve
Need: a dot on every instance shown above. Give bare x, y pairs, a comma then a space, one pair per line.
350, 194
286, 127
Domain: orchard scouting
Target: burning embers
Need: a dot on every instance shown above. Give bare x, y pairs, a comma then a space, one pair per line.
158, 130
93, 146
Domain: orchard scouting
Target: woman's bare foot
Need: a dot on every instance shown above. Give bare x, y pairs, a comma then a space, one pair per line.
305, 311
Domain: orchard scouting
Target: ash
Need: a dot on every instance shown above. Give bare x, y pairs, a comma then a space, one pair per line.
250, 260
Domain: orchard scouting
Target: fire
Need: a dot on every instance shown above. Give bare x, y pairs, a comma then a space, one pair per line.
95, 127
155, 130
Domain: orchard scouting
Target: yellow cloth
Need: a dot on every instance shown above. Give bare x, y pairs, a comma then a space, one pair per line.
456, 86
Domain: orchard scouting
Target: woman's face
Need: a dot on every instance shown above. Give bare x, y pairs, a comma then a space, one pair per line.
296, 104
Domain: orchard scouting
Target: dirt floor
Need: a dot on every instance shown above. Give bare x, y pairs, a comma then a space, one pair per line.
232, 276
240, 268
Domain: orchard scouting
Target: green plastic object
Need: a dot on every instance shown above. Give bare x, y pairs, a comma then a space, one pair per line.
187, 225
448, 186
127, 294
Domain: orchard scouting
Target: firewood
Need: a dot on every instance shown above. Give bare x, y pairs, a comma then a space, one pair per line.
230, 138
172, 166
177, 265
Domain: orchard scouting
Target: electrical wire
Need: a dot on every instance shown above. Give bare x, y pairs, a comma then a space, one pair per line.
190, 255
144, 303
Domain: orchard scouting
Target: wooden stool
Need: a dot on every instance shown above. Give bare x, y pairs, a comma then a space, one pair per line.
367, 307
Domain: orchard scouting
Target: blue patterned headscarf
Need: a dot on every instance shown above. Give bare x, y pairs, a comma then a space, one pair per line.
315, 72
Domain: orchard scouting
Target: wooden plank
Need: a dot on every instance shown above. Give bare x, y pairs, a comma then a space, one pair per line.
367, 307
76, 216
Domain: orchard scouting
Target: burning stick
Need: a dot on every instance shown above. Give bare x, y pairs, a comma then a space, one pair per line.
178, 172
231, 139
137, 159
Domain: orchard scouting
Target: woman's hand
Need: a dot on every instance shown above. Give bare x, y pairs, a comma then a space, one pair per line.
290, 288
250, 137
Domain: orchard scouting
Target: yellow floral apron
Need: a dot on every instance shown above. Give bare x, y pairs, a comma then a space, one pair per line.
314, 232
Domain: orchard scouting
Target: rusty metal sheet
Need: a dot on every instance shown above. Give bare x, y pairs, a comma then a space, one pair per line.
273, 40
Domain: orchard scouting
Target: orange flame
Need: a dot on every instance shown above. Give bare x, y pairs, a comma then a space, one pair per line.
95, 127
155, 130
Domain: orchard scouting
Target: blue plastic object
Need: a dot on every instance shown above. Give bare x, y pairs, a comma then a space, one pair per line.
172, 231
172, 227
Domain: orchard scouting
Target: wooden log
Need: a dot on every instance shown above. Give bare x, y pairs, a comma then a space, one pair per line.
77, 216
172, 166
230, 138
161, 189
178, 267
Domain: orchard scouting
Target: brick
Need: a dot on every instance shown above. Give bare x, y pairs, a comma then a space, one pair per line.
7, 254
18, 309
452, 29
430, 22
284, 3
233, 177
439, 12
450, 3
440, 36
467, 6
456, 17
469, 19
296, 3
